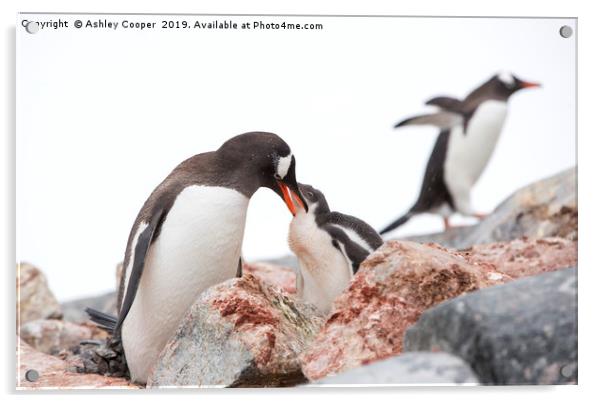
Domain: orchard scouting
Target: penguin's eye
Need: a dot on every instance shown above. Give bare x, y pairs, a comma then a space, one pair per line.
310, 194
277, 176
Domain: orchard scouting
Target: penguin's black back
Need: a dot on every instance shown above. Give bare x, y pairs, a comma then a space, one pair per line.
434, 191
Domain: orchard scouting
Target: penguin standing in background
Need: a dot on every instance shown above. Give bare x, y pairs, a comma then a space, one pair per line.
188, 236
330, 247
469, 133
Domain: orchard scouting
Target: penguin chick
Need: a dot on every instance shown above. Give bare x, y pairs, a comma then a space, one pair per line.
330, 247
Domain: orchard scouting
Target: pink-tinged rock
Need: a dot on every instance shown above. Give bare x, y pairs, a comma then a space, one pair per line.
387, 295
242, 332
34, 298
400, 281
54, 373
50, 336
278, 276
524, 257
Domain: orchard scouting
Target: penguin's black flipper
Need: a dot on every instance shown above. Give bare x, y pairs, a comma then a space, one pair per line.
103, 320
400, 221
145, 240
443, 120
447, 103
352, 251
360, 227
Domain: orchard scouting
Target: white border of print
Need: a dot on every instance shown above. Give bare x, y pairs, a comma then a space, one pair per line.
590, 165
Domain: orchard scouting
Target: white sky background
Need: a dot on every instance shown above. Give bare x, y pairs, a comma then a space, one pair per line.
103, 116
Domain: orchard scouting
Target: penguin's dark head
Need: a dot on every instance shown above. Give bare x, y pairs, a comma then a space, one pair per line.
316, 201
507, 83
266, 161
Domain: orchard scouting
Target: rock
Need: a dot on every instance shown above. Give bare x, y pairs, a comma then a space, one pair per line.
523, 257
74, 311
408, 369
34, 298
104, 357
242, 332
452, 238
276, 275
524, 332
387, 295
400, 281
547, 208
54, 373
50, 336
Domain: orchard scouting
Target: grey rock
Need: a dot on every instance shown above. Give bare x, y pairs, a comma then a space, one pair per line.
523, 332
240, 333
73, 311
408, 369
547, 208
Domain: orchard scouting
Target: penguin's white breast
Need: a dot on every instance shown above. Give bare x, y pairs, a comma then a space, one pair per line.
468, 153
199, 246
201, 237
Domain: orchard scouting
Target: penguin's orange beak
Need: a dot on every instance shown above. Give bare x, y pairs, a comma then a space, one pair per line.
527, 84
288, 199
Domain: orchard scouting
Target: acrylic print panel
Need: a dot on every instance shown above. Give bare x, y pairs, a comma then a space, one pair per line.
154, 151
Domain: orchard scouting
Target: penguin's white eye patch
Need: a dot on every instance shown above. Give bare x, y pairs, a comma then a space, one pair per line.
506, 78
282, 166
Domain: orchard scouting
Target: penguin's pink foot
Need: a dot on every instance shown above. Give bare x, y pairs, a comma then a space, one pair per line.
480, 216
447, 223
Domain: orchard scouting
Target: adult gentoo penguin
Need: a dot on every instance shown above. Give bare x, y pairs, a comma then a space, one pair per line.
330, 247
188, 235
469, 133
